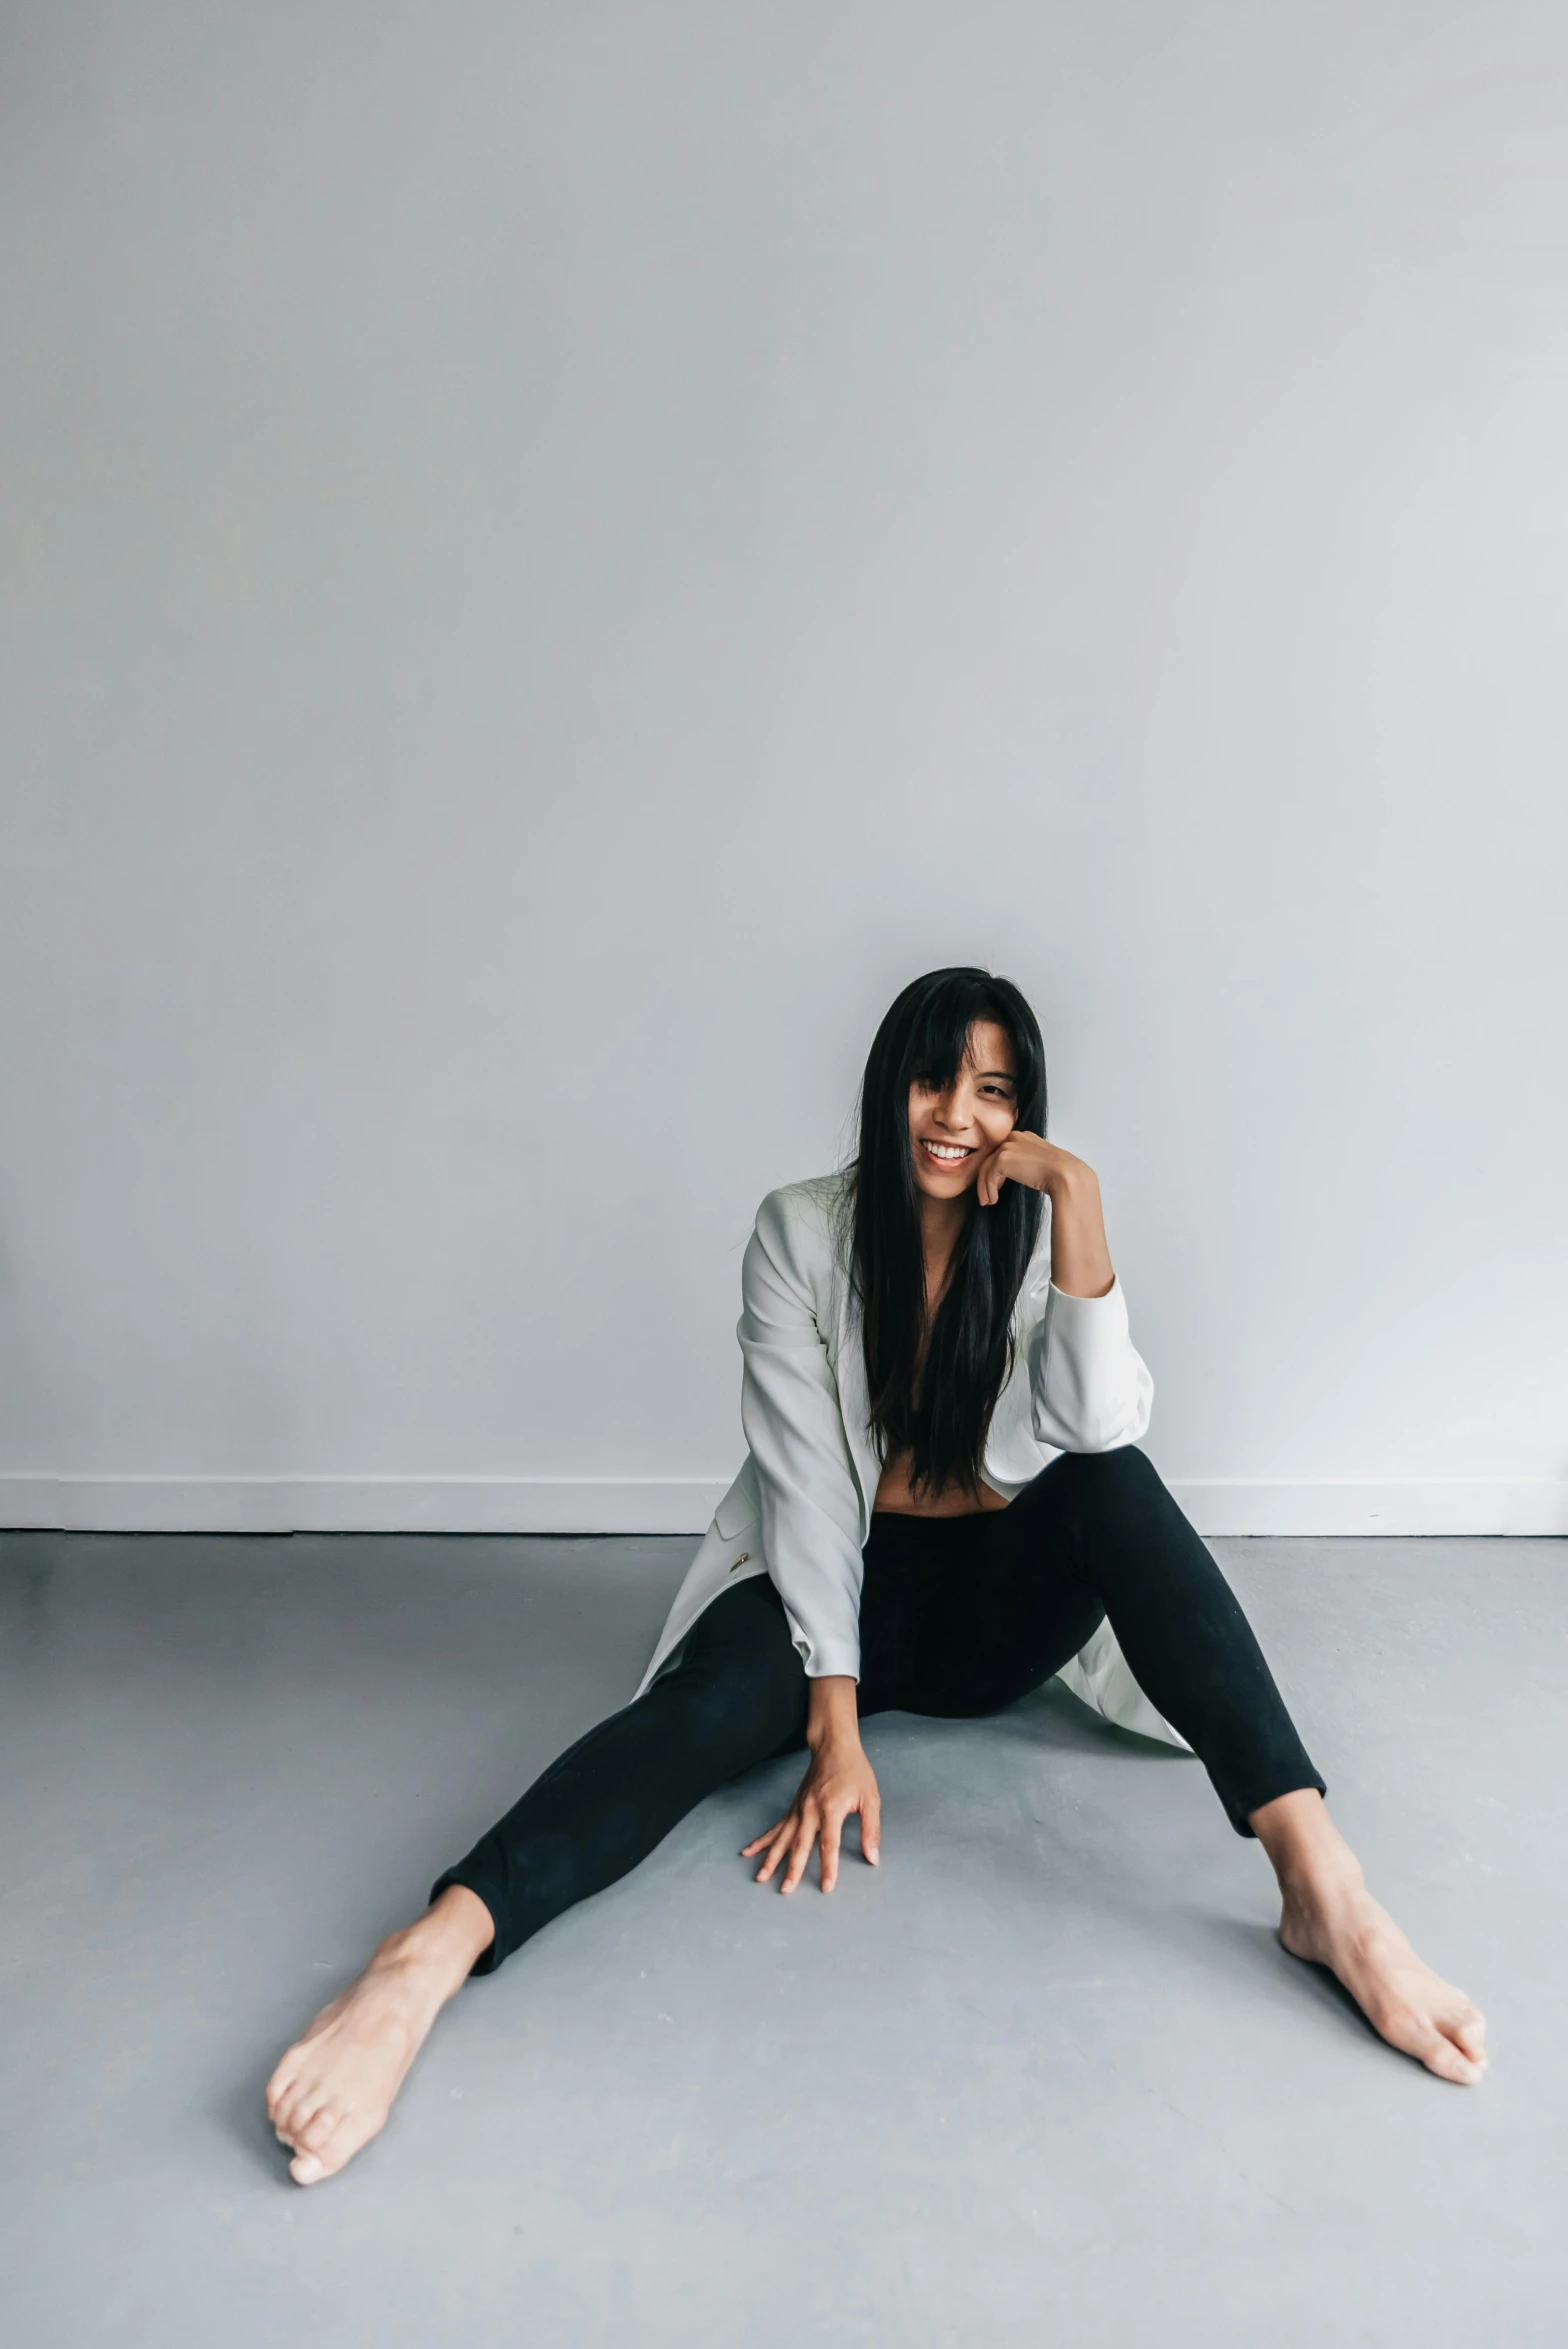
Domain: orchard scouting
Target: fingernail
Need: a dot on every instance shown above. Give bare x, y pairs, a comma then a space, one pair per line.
874, 1856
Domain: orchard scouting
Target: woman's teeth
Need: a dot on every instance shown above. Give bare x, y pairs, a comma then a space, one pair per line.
949, 1152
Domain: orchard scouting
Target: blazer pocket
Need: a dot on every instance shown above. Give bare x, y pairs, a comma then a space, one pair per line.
742, 1544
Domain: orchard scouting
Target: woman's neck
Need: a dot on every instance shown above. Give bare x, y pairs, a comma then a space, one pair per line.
941, 1221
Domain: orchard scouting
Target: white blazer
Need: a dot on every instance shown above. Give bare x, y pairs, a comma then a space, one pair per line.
800, 1509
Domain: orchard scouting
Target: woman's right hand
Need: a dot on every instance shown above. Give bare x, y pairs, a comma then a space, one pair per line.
839, 1783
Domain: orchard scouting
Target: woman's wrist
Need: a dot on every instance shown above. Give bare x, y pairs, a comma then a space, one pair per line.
1080, 1260
832, 1717
1071, 1184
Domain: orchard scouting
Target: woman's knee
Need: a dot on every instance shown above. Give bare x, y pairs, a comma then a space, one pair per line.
1122, 1488
1122, 1495
1125, 1470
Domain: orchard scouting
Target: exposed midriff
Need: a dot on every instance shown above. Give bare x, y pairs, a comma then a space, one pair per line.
893, 1492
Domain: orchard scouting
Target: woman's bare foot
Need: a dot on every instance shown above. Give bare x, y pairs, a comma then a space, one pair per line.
1330, 1919
335, 2087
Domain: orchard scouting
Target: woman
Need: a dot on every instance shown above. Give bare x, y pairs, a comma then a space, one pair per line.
942, 1507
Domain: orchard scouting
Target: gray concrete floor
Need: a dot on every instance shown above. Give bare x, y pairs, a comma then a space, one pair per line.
1046, 2075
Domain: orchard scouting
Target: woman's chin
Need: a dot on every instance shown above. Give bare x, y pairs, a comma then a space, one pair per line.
945, 1186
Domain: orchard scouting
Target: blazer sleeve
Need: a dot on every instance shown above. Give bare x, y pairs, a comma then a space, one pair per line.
795, 1431
1091, 1391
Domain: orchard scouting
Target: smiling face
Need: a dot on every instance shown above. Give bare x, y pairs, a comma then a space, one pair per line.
950, 1131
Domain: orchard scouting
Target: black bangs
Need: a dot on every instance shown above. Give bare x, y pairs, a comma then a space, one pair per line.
946, 1006
933, 1392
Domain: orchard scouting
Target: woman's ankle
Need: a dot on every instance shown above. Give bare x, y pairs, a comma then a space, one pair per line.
1304, 1847
440, 1947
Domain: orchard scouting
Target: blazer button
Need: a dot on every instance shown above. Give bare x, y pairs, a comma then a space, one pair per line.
740, 1561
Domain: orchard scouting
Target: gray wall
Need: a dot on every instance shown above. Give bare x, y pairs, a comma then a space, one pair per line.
555, 555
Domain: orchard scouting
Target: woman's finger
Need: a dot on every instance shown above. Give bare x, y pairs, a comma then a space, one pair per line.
805, 1837
988, 1187
871, 1828
778, 1846
758, 1841
832, 1829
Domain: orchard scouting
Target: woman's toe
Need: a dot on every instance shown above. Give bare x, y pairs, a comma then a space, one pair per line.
1469, 2033
279, 2088
341, 2147
305, 2169
314, 2134
1440, 2055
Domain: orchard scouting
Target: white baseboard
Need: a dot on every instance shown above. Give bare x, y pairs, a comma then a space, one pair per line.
1529, 1505
684, 1504
361, 1504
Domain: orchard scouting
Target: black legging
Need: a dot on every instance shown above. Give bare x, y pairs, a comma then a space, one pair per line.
958, 1616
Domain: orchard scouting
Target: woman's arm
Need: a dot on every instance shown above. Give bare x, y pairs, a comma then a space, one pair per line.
1080, 1254
794, 1428
839, 1783
810, 1535
1091, 1390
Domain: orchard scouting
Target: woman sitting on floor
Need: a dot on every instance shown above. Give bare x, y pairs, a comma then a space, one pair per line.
942, 1507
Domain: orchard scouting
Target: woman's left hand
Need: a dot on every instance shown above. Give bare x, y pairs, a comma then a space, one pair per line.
1036, 1163
1080, 1256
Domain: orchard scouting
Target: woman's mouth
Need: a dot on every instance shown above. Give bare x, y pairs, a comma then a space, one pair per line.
948, 1154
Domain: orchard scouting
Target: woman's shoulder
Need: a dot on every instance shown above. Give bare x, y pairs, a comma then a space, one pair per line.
817, 1195
815, 1209
807, 1224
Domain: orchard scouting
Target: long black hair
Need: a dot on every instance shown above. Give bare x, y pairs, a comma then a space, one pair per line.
933, 1394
